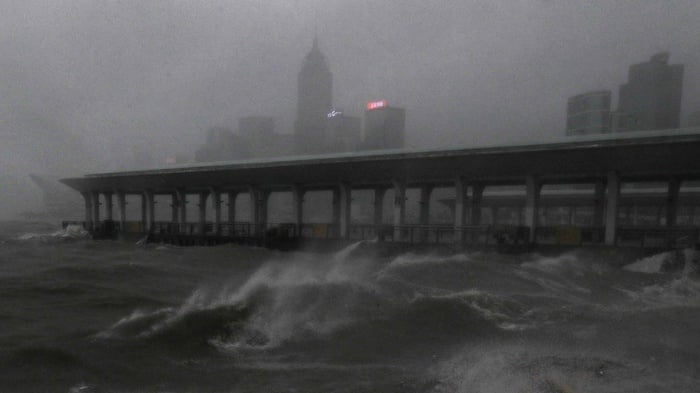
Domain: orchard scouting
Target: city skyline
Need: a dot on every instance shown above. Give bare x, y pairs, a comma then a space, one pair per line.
93, 85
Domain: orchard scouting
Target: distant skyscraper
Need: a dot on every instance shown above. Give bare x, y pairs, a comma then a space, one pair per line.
384, 127
314, 102
588, 113
343, 132
651, 98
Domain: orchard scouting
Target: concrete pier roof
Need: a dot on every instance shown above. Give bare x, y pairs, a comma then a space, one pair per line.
658, 155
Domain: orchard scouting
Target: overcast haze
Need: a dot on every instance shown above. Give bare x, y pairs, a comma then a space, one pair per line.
89, 85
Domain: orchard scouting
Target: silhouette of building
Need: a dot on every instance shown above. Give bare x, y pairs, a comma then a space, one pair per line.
588, 113
314, 102
222, 145
384, 126
343, 132
651, 98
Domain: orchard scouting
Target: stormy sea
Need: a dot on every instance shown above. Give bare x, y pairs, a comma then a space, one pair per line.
78, 315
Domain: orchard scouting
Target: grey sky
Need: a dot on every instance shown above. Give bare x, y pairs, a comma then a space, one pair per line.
84, 83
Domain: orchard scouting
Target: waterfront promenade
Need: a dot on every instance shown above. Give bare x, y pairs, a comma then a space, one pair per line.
635, 188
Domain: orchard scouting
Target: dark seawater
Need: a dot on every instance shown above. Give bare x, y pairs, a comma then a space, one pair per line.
99, 316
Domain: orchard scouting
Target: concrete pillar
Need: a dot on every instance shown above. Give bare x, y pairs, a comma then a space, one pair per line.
460, 209
216, 202
335, 218
182, 207
149, 210
232, 206
424, 211
174, 208
121, 205
475, 206
258, 209
399, 208
108, 206
87, 197
599, 204
298, 208
424, 216
532, 199
144, 214
674, 187
611, 206
379, 205
345, 200
202, 219
95, 197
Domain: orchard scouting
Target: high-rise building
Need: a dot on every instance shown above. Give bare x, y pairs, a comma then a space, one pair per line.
384, 126
314, 102
343, 132
651, 98
588, 113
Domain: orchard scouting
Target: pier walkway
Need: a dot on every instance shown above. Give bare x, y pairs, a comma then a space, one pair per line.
635, 188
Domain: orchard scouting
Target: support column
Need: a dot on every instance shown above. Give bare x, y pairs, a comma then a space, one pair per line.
174, 210
87, 197
202, 219
477, 194
399, 208
379, 205
150, 210
345, 194
611, 206
144, 214
216, 201
335, 218
182, 207
232, 206
121, 205
532, 199
258, 209
298, 207
108, 205
424, 214
599, 204
95, 203
460, 209
674, 188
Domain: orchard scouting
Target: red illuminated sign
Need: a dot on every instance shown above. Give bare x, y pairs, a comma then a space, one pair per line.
376, 105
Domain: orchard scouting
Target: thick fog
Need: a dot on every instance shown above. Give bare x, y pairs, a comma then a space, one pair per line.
89, 86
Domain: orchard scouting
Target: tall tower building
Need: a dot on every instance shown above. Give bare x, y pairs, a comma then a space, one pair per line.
651, 98
314, 102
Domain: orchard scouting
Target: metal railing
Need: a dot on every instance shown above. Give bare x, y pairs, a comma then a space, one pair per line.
649, 236
569, 235
662, 237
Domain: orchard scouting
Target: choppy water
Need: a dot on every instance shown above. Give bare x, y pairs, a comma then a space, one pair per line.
100, 316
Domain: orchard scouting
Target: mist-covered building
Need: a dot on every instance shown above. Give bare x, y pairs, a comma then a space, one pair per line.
314, 102
343, 132
222, 145
651, 98
588, 113
384, 126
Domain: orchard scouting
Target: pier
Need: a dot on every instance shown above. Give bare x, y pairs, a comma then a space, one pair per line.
635, 188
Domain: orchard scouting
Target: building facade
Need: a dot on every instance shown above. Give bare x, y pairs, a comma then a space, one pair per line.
588, 113
384, 127
314, 102
343, 132
651, 98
